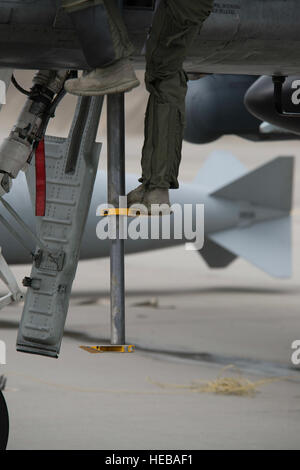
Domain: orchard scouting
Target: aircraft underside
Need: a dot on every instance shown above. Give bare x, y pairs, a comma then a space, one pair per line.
241, 37
257, 37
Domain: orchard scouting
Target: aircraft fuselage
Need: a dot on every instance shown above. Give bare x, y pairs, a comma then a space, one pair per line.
240, 37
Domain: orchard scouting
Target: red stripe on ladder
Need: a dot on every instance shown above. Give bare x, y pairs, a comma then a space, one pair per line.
40, 177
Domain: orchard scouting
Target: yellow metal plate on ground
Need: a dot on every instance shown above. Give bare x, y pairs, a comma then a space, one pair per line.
126, 348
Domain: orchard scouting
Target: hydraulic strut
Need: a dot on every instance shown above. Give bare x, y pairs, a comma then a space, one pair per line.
6, 275
16, 150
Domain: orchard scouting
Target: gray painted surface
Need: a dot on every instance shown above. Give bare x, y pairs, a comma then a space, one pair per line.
245, 37
67, 204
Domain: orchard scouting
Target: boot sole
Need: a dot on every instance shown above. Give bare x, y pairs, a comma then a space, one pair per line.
125, 87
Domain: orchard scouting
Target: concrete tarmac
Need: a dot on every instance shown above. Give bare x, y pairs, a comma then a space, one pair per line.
188, 323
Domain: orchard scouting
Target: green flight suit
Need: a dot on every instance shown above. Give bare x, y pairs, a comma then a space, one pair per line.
175, 25
101, 31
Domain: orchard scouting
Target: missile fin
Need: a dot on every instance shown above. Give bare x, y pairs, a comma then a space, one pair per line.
267, 245
270, 185
215, 255
219, 169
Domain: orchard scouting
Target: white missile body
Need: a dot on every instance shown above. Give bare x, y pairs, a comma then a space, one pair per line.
247, 214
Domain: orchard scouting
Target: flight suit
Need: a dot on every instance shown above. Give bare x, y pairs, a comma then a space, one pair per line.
175, 25
101, 31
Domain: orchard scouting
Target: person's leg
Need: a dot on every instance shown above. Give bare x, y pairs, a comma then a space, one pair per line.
105, 43
175, 26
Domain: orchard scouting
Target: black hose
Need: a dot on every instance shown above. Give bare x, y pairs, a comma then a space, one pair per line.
18, 87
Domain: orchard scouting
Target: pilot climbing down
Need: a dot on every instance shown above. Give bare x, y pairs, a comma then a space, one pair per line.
107, 48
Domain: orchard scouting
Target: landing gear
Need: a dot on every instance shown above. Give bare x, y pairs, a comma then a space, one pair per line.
4, 423
71, 167
17, 150
70, 171
14, 294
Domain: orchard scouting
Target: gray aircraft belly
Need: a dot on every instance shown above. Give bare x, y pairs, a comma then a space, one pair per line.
243, 37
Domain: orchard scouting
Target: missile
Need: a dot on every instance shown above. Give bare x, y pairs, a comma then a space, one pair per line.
246, 214
259, 100
211, 101
215, 107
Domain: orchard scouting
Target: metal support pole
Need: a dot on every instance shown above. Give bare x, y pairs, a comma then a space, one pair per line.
116, 188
